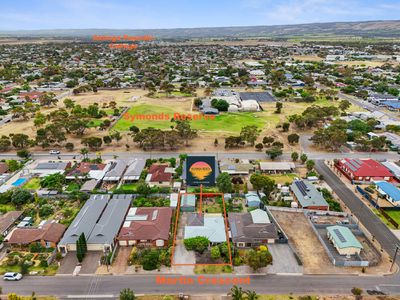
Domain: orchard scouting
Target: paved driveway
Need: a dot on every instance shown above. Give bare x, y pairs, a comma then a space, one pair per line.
283, 260
68, 264
91, 262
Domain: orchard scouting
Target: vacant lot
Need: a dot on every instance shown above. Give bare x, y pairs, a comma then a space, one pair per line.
313, 255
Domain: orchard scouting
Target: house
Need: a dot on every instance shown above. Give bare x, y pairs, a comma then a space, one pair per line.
277, 167
88, 170
135, 168
211, 226
252, 200
148, 226
251, 229
99, 220
393, 167
307, 196
233, 168
7, 221
3, 168
188, 202
364, 170
84, 222
159, 175
389, 191
344, 240
43, 169
115, 171
47, 234
104, 234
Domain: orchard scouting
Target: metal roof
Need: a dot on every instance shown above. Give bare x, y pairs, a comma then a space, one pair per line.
307, 194
343, 237
389, 189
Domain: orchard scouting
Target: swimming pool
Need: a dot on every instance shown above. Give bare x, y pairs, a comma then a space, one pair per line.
19, 181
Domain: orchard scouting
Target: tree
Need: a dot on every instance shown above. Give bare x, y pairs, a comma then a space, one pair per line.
295, 156
344, 105
237, 293
20, 197
274, 152
143, 188
259, 146
127, 294
310, 164
216, 142
40, 119
268, 140
224, 183
69, 146
107, 139
54, 181
250, 134
262, 182
5, 143
69, 104
220, 104
303, 158
257, 259
92, 142
20, 140
23, 153
47, 99
278, 106
293, 138
215, 253
285, 126
185, 131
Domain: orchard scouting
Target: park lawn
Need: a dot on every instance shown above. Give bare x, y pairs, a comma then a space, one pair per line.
95, 123
283, 178
173, 94
210, 269
33, 184
145, 109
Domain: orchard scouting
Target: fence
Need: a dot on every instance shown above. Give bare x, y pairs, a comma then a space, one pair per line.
388, 217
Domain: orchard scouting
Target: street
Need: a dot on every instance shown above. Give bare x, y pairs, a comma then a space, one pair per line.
92, 287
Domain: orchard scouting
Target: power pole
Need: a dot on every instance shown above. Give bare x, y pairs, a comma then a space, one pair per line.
394, 257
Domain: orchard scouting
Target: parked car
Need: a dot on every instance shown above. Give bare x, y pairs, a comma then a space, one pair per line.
12, 276
54, 152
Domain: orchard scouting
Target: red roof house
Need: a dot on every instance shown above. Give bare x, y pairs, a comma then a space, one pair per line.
47, 235
160, 175
146, 226
364, 170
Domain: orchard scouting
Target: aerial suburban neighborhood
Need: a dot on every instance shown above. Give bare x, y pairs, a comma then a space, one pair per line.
199, 162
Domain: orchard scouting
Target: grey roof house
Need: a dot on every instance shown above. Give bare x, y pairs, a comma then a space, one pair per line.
134, 170
308, 196
100, 219
116, 171
251, 229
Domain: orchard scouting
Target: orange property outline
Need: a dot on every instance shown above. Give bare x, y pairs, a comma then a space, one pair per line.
200, 211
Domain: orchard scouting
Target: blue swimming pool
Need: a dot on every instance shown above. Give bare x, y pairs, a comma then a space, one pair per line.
19, 181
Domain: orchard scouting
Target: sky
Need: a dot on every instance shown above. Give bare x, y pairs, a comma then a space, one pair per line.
156, 14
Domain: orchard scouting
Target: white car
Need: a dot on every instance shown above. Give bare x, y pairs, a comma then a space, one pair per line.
54, 152
12, 276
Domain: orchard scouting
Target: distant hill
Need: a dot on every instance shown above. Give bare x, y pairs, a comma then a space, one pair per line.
383, 29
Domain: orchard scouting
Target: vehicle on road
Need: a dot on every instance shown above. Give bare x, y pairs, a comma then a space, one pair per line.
54, 152
11, 276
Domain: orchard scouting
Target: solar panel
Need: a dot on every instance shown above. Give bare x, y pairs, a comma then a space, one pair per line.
302, 187
339, 235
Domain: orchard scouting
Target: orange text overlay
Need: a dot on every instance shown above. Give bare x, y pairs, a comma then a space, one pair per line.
202, 280
166, 117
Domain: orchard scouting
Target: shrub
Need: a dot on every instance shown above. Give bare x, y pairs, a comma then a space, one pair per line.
198, 244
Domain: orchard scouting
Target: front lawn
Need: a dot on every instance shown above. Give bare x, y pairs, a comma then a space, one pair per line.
212, 269
33, 184
383, 219
394, 214
6, 208
72, 187
129, 187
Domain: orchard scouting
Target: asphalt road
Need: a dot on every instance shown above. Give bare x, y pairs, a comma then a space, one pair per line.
92, 287
219, 155
373, 224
